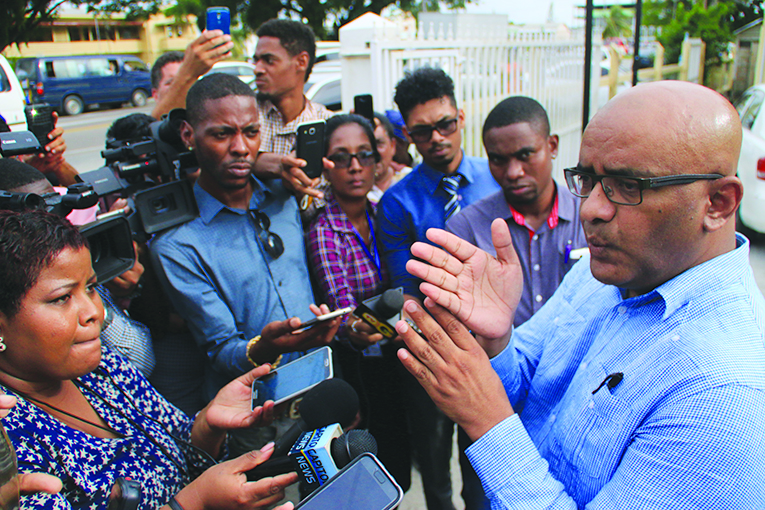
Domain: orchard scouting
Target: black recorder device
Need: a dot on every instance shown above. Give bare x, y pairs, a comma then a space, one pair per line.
14, 143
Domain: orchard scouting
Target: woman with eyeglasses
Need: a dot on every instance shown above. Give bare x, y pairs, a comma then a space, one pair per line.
84, 414
346, 262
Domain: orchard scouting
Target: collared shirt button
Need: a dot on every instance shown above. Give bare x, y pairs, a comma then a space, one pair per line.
583, 365
552, 417
622, 310
591, 404
536, 267
536, 236
538, 298
555, 320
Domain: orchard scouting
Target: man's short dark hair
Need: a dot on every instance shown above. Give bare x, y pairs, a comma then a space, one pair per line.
130, 127
516, 109
421, 86
295, 37
211, 87
14, 174
162, 61
386, 125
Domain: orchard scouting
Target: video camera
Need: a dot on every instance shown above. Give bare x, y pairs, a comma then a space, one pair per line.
151, 170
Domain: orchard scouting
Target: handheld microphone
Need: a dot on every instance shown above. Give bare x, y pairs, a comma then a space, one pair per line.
330, 401
317, 455
382, 311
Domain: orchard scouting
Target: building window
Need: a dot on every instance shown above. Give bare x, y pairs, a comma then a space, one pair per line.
41, 34
75, 33
130, 32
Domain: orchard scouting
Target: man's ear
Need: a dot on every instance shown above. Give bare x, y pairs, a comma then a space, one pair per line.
302, 60
724, 198
461, 117
552, 142
187, 135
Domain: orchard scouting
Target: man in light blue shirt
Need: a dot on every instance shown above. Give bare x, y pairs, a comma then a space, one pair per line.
643, 376
237, 274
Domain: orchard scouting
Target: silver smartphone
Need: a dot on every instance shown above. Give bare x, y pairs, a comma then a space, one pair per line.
293, 379
363, 483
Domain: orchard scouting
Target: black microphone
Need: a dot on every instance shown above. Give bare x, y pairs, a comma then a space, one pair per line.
330, 401
382, 311
343, 448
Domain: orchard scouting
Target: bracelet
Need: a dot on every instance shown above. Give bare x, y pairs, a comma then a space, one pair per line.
353, 326
250, 345
173, 503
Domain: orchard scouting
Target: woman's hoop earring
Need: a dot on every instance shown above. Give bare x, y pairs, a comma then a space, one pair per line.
2, 344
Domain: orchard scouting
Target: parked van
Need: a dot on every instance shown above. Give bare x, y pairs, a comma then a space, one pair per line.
71, 84
11, 98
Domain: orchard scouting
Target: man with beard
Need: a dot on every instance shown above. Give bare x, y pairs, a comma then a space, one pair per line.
283, 59
644, 375
237, 273
436, 189
542, 215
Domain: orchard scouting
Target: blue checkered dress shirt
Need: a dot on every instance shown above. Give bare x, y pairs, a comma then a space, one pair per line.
684, 429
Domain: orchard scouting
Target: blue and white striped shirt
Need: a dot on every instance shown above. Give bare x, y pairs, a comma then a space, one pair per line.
685, 428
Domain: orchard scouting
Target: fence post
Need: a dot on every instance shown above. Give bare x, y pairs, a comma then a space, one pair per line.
702, 49
685, 56
613, 73
658, 62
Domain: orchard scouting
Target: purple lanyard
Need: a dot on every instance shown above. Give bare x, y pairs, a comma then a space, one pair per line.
374, 255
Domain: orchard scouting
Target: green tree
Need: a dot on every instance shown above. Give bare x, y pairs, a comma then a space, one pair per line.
22, 17
712, 24
618, 23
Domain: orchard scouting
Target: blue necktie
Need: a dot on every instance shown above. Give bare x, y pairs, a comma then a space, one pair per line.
451, 184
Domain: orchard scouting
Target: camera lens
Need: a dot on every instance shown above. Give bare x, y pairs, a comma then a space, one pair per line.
311, 131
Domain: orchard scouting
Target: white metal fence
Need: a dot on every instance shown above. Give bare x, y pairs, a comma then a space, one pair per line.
489, 69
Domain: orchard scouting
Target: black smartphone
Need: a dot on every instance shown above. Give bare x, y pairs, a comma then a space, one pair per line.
40, 121
362, 105
363, 483
310, 147
218, 18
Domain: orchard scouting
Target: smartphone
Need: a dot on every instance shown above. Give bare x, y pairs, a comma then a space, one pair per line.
363, 483
218, 18
293, 379
326, 317
362, 105
40, 121
310, 147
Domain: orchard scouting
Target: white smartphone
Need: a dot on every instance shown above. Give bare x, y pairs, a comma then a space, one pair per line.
293, 379
363, 483
325, 317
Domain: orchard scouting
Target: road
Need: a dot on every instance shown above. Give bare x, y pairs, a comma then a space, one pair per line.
85, 135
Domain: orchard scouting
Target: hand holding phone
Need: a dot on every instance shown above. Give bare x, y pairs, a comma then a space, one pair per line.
325, 317
293, 379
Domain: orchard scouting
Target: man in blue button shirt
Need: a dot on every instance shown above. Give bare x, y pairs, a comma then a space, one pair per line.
237, 273
435, 190
643, 376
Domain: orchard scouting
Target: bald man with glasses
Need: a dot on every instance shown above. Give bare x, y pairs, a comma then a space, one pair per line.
643, 377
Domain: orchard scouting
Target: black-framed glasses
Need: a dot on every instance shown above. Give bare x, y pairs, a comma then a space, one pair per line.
272, 243
625, 190
342, 160
444, 127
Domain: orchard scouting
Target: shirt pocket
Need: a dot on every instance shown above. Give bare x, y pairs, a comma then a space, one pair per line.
595, 437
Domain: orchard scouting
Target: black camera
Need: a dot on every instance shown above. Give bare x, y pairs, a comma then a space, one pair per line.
16, 143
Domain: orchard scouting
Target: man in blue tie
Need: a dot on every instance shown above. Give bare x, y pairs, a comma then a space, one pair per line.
436, 189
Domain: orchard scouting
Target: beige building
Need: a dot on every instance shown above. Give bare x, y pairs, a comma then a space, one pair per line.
75, 32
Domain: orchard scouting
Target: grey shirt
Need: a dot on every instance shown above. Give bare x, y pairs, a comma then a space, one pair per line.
544, 254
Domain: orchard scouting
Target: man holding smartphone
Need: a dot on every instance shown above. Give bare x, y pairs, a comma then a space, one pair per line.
283, 59
237, 274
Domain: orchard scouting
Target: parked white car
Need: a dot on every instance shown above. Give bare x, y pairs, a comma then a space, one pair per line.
243, 70
751, 163
11, 98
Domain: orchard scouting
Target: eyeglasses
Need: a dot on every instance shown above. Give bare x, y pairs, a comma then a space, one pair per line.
272, 243
342, 160
424, 133
625, 190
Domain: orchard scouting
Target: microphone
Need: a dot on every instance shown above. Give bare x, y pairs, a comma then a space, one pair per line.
330, 401
382, 311
317, 455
